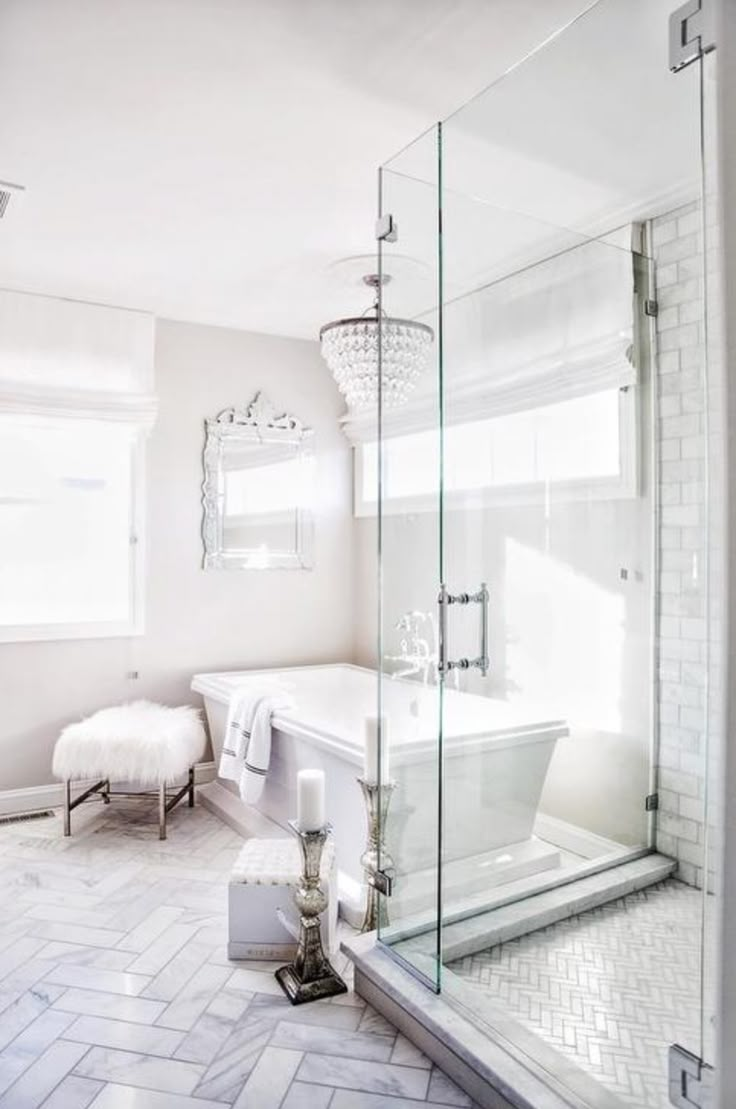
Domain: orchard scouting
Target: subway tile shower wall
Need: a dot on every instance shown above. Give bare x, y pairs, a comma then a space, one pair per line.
682, 535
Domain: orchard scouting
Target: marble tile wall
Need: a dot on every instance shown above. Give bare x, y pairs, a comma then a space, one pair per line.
682, 591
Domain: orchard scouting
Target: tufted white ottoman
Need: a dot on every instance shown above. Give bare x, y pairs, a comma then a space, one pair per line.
141, 742
263, 921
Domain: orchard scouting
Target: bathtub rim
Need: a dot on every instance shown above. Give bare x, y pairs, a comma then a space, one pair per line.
208, 686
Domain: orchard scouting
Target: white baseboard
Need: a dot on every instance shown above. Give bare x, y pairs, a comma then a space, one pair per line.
51, 796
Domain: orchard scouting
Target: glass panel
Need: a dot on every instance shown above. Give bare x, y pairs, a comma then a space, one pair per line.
409, 555
596, 696
568, 568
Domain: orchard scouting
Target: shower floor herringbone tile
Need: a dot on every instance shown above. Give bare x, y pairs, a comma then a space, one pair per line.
610, 989
116, 991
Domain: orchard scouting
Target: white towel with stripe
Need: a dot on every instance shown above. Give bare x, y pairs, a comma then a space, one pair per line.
246, 751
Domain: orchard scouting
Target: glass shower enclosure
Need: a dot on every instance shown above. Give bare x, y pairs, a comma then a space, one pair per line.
548, 519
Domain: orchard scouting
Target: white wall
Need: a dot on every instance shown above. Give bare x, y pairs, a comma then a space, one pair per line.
197, 620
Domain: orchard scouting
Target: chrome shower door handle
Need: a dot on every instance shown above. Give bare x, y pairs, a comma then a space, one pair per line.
442, 602
483, 598
445, 599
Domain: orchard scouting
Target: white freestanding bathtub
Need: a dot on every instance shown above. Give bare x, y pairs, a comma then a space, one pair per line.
496, 756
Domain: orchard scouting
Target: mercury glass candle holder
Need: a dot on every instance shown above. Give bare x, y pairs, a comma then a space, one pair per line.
375, 859
311, 975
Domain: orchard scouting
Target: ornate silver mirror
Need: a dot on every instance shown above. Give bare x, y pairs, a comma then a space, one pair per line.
257, 490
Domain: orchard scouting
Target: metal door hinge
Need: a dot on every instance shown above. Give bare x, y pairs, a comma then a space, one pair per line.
690, 1080
381, 880
387, 229
691, 33
652, 802
651, 308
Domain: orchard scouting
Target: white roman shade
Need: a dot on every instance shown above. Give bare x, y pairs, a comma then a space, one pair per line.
69, 358
557, 330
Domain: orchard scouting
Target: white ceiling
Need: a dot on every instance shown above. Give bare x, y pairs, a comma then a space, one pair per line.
210, 160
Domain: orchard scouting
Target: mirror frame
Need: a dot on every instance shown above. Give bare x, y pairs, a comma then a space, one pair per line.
258, 423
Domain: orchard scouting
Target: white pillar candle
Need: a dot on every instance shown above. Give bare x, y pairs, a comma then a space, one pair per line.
310, 800
370, 751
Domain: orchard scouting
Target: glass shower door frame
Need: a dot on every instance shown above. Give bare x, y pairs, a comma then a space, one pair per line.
420, 229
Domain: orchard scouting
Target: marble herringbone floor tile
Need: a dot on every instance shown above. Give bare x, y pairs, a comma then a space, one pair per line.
116, 991
610, 989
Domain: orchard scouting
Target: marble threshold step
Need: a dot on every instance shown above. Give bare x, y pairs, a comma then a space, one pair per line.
508, 922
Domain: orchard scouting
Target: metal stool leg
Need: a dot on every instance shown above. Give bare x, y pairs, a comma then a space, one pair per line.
106, 792
191, 787
67, 807
162, 811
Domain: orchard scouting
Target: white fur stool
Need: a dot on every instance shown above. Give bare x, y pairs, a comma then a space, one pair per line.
141, 742
263, 921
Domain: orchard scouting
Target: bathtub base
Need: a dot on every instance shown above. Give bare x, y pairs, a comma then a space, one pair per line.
244, 819
464, 877
474, 878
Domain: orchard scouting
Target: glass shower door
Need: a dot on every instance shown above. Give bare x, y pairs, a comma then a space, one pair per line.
409, 524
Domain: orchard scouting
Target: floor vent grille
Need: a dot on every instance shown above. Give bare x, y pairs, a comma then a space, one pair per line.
18, 817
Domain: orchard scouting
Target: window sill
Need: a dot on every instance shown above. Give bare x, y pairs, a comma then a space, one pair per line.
511, 496
44, 633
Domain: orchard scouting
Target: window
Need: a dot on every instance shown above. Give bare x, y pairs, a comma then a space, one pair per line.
70, 564
76, 402
583, 447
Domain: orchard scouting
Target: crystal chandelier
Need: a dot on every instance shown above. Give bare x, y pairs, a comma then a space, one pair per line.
350, 349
